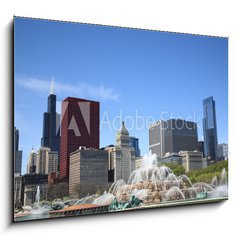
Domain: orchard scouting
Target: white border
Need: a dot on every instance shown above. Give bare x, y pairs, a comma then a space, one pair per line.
213, 221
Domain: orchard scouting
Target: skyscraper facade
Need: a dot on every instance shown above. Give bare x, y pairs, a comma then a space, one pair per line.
46, 161
124, 156
201, 147
41, 160
134, 142
172, 136
209, 129
51, 126
222, 151
88, 167
17, 153
80, 127
31, 165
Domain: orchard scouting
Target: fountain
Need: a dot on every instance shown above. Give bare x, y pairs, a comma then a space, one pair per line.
150, 185
37, 198
37, 208
221, 189
214, 181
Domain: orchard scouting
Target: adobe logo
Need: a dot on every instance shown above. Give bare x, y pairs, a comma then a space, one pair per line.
84, 108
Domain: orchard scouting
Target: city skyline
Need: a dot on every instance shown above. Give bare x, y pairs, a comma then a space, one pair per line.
110, 85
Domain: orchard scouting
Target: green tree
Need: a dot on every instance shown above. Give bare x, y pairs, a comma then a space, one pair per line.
176, 168
206, 174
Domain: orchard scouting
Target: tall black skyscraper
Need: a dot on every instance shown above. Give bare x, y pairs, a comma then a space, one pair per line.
17, 152
51, 124
209, 128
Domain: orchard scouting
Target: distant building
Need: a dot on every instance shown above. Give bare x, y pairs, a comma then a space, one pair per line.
192, 160
201, 147
51, 124
121, 157
134, 142
17, 190
170, 158
46, 161
31, 165
222, 151
111, 149
41, 160
173, 135
88, 167
80, 127
210, 129
52, 162
138, 162
30, 183
17, 153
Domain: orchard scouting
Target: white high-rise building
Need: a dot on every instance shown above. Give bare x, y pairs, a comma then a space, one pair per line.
121, 156
31, 165
46, 161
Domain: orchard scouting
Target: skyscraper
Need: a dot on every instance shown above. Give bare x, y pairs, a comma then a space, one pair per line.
17, 152
201, 147
125, 155
88, 167
46, 161
80, 127
121, 156
51, 124
31, 165
134, 142
172, 136
209, 129
222, 151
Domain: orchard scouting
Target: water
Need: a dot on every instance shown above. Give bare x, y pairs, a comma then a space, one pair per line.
37, 212
37, 197
152, 178
104, 199
214, 181
174, 193
151, 183
221, 189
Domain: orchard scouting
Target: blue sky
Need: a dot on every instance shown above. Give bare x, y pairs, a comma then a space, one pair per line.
131, 72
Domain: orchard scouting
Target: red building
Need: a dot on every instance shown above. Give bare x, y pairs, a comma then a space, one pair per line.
79, 127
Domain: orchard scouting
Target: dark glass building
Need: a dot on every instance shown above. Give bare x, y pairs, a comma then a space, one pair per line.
172, 136
17, 152
209, 129
51, 126
80, 127
201, 147
134, 142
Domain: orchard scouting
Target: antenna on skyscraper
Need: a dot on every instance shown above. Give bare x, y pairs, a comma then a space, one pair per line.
52, 86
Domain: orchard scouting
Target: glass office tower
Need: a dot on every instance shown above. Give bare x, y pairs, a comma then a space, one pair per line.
209, 129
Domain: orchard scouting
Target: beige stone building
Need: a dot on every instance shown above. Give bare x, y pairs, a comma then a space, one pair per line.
138, 162
88, 168
52, 162
121, 156
46, 161
192, 160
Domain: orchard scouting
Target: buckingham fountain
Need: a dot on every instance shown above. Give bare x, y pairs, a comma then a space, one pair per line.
149, 186
154, 185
